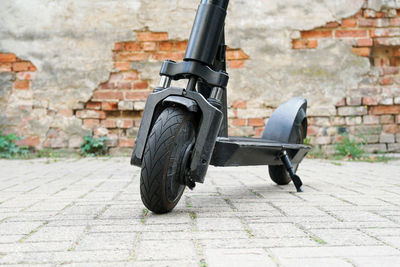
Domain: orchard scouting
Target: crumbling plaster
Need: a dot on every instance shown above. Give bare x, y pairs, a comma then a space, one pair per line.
70, 42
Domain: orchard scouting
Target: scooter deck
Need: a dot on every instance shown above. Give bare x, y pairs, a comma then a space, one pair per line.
242, 151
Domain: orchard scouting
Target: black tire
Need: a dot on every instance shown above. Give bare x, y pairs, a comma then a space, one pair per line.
279, 174
161, 185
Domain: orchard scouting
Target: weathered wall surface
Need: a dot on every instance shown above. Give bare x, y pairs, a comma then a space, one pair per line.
95, 62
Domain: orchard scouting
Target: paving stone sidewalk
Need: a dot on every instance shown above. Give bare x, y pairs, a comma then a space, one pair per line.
88, 212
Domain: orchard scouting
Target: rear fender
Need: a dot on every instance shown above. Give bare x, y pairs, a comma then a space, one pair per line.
283, 125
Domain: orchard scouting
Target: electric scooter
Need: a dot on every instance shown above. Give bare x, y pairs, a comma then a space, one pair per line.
184, 130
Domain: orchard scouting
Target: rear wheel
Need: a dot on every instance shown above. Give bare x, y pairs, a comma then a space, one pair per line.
165, 158
279, 174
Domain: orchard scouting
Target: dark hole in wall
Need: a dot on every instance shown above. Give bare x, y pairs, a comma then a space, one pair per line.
385, 56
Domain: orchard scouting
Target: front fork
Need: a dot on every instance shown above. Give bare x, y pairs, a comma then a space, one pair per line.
204, 62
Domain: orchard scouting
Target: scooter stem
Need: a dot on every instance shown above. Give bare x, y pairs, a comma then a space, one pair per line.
204, 40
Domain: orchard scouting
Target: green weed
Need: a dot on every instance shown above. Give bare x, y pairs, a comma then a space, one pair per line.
349, 148
93, 146
9, 148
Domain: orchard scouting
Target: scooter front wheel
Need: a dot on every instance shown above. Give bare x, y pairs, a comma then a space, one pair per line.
162, 176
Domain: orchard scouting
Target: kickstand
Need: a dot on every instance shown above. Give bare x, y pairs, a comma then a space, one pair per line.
289, 167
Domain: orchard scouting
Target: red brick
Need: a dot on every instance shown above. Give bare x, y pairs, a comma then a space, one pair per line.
5, 67
109, 106
299, 44
181, 45
239, 122
382, 23
66, 112
387, 119
314, 34
31, 67
124, 124
350, 33
312, 44
365, 42
124, 85
152, 36
166, 46
396, 52
353, 101
380, 110
378, 33
390, 41
370, 101
236, 64
341, 103
359, 14
31, 141
395, 22
258, 131
391, 128
121, 66
108, 95
386, 81
337, 121
370, 119
349, 23
21, 85
137, 95
91, 114
390, 70
132, 46
149, 46
312, 130
115, 77
25, 75
91, 123
176, 56
109, 123
127, 143
93, 105
107, 86
130, 76
366, 22
20, 66
7, 58
132, 56
141, 85
386, 32
369, 13
361, 51
119, 46
352, 111
236, 55
380, 14
239, 104
256, 122
332, 25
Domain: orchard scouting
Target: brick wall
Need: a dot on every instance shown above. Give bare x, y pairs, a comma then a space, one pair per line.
116, 106
372, 112
374, 115
19, 73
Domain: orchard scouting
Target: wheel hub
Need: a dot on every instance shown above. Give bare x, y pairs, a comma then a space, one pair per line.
185, 167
